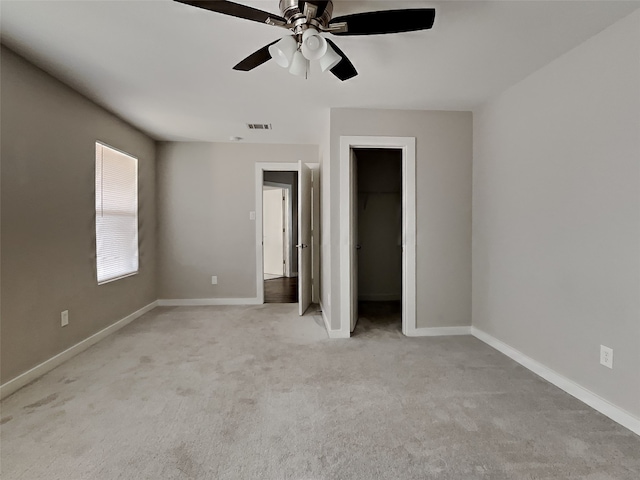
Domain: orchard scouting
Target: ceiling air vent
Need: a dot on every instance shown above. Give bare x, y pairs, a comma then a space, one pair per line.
259, 126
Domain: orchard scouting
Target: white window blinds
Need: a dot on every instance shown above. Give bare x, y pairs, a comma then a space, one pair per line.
116, 214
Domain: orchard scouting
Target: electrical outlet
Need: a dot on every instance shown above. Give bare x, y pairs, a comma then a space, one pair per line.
64, 318
214, 280
252, 215
606, 356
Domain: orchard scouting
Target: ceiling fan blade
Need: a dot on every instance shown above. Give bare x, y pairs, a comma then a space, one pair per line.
233, 9
345, 69
256, 59
387, 21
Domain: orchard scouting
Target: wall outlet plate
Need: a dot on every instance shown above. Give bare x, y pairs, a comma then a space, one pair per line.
64, 318
214, 280
606, 356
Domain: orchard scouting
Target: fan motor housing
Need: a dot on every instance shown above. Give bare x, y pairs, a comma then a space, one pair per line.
293, 12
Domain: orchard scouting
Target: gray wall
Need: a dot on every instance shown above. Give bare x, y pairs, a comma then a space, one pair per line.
379, 177
443, 188
205, 194
48, 218
556, 257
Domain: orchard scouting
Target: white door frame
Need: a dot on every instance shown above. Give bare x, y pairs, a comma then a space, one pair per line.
408, 147
260, 169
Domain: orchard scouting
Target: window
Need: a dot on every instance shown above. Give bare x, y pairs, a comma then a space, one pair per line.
116, 214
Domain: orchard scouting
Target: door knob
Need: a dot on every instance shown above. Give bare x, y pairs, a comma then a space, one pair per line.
302, 245
358, 247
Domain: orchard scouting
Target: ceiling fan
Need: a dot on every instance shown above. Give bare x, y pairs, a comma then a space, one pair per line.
307, 20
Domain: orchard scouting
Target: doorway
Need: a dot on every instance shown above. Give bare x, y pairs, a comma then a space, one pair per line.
280, 236
299, 250
349, 229
378, 235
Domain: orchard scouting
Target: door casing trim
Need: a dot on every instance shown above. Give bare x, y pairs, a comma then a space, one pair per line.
408, 147
261, 167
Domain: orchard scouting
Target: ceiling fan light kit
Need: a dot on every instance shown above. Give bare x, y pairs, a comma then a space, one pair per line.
329, 59
307, 20
288, 53
313, 45
282, 52
299, 64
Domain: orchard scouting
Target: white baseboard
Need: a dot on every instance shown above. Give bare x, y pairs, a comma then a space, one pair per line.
438, 331
191, 302
596, 402
327, 325
29, 376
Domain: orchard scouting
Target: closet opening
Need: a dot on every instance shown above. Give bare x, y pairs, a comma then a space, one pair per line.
377, 223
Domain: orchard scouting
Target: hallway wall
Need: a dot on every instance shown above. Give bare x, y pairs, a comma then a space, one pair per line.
289, 178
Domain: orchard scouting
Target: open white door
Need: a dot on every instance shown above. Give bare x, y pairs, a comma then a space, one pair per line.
353, 235
304, 237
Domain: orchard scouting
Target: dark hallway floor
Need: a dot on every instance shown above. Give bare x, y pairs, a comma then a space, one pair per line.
281, 290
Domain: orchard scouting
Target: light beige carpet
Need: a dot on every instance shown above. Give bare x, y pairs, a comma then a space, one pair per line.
259, 393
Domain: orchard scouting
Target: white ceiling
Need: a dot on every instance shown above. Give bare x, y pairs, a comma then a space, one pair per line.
167, 67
